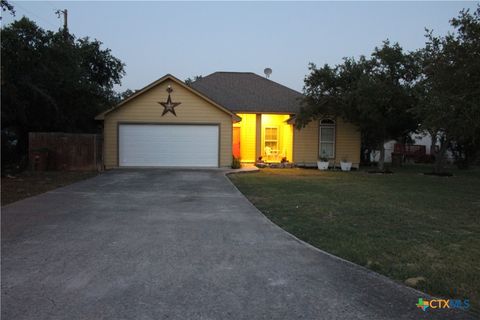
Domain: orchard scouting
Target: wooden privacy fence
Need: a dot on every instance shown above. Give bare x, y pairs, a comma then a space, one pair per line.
65, 151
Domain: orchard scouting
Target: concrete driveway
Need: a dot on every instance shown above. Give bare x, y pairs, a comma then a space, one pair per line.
176, 244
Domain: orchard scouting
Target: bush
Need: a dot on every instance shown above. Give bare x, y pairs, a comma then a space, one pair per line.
236, 163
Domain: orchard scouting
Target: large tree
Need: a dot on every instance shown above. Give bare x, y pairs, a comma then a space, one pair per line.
374, 93
52, 81
448, 90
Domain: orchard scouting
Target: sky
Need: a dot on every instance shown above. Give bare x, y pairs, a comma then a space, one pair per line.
198, 38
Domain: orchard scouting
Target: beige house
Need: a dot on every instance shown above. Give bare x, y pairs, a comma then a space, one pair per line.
220, 116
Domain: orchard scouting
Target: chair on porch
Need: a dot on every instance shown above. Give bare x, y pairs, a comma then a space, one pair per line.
268, 153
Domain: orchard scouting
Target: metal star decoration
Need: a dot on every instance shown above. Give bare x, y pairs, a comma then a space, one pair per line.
169, 106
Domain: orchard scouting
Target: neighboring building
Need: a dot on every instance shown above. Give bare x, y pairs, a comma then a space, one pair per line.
425, 139
418, 139
375, 154
169, 123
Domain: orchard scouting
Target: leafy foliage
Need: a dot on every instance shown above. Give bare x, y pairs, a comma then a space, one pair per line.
189, 80
52, 82
236, 164
392, 93
448, 90
373, 93
6, 6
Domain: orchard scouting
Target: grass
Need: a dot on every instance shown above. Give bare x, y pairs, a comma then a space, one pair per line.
27, 184
403, 225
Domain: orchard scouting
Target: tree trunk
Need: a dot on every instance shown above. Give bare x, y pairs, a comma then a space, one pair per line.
381, 159
433, 145
440, 156
438, 164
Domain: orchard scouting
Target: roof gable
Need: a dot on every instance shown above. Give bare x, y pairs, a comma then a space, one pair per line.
154, 84
248, 92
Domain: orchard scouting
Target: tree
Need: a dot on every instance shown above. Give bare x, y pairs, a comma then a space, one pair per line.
448, 90
429, 110
189, 80
51, 82
374, 93
120, 96
6, 6
127, 93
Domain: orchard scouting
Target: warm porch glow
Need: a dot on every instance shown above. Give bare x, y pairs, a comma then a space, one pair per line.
277, 138
247, 128
274, 140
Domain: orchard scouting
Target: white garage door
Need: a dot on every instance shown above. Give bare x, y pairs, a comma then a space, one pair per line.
168, 145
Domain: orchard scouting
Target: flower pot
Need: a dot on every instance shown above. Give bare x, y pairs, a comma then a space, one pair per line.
346, 166
323, 165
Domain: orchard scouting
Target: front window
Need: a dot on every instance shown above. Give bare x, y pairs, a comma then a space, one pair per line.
271, 138
327, 139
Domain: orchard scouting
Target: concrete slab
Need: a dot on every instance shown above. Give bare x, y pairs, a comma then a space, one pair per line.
176, 244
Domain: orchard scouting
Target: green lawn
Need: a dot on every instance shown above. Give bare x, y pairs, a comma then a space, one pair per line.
403, 225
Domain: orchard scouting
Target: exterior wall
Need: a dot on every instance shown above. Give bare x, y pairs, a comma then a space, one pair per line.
258, 136
305, 144
146, 109
347, 143
288, 141
247, 136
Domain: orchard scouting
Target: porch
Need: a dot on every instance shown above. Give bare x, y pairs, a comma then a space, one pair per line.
263, 135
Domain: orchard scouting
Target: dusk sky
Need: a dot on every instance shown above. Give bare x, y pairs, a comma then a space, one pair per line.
198, 38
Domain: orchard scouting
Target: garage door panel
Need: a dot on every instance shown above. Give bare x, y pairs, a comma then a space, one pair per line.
168, 145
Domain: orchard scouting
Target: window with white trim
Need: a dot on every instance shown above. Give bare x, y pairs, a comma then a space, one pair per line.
271, 138
327, 139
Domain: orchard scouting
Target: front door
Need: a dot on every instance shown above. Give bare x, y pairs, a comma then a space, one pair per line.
236, 142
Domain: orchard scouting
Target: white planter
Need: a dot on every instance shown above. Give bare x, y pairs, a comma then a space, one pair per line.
346, 166
323, 165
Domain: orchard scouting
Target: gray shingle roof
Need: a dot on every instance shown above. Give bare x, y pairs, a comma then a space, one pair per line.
249, 92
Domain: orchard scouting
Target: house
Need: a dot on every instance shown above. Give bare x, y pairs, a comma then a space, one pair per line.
418, 139
224, 114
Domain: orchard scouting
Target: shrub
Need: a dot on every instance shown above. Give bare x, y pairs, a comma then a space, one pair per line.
236, 163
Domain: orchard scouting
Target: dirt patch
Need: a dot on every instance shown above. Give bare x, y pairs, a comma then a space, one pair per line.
28, 183
414, 282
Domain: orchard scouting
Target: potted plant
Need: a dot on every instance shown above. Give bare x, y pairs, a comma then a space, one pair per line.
345, 165
260, 163
323, 162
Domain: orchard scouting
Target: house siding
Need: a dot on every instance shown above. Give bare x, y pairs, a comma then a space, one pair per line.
305, 144
347, 143
247, 136
146, 109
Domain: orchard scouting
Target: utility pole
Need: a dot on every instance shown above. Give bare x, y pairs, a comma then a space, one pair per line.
65, 17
